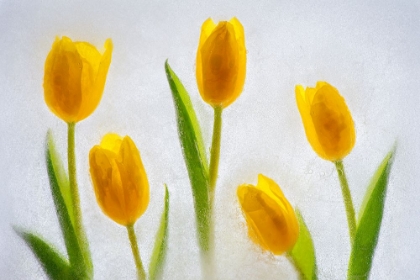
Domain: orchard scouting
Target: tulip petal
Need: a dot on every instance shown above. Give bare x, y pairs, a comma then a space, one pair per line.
219, 56
98, 66
270, 223
136, 185
62, 80
332, 122
206, 30
111, 142
303, 100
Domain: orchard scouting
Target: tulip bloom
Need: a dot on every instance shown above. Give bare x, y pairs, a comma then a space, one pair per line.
271, 220
221, 62
119, 179
75, 74
328, 123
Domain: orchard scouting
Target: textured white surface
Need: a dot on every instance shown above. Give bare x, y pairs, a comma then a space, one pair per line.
369, 50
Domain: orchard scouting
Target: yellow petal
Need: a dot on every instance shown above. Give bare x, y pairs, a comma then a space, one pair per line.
74, 78
221, 62
135, 180
332, 122
62, 80
99, 65
119, 179
272, 227
111, 142
303, 100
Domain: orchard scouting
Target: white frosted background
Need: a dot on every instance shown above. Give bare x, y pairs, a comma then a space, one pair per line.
369, 50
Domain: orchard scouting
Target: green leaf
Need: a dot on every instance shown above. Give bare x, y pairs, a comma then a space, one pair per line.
70, 239
303, 253
194, 155
369, 224
61, 175
54, 264
159, 251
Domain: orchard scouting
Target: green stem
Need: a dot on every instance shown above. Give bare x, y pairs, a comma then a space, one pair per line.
141, 274
351, 215
74, 193
208, 250
215, 151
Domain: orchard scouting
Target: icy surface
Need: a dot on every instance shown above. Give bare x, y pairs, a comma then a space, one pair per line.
369, 50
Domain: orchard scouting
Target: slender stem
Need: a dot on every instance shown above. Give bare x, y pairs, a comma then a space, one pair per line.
215, 151
74, 193
351, 215
141, 274
208, 250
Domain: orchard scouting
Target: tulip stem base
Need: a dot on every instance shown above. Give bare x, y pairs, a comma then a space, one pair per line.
141, 274
348, 202
74, 193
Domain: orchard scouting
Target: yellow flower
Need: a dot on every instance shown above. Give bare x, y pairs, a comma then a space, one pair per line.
75, 74
119, 179
271, 220
221, 62
328, 123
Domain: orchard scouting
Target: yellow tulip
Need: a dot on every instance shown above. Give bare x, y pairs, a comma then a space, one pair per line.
271, 220
221, 62
119, 179
75, 74
328, 123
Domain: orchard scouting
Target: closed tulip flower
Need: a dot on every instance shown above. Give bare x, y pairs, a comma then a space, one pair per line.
75, 75
119, 179
328, 123
221, 62
271, 220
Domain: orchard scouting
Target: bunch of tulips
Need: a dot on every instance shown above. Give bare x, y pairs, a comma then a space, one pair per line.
74, 81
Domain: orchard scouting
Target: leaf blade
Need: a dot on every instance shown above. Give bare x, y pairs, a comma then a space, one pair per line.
303, 253
77, 262
159, 251
54, 264
61, 175
194, 155
370, 219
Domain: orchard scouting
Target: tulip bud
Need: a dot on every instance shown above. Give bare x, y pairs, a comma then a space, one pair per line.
119, 179
221, 62
75, 74
271, 220
328, 123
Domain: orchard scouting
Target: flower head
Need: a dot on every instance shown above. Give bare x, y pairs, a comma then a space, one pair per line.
271, 220
221, 62
75, 74
119, 179
328, 123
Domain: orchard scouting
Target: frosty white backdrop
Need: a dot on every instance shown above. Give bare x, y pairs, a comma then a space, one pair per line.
369, 50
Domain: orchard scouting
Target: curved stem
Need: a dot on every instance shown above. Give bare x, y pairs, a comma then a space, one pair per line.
74, 193
141, 274
215, 151
348, 202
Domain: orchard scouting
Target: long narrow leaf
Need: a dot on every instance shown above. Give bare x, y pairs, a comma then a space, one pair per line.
303, 253
61, 175
159, 251
369, 224
54, 264
70, 239
194, 154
